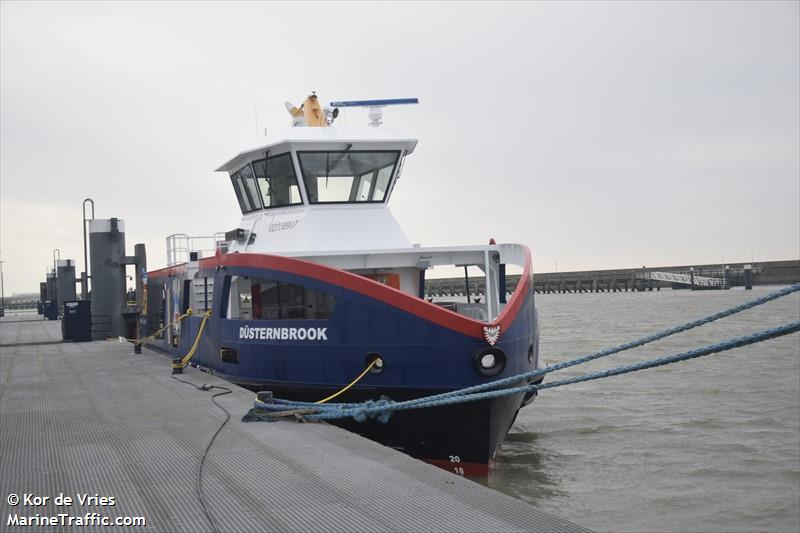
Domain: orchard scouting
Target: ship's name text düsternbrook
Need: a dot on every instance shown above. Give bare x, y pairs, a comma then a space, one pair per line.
292, 334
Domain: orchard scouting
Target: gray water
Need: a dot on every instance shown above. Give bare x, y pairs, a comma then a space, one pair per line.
711, 444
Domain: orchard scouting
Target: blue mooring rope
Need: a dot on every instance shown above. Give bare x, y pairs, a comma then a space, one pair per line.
382, 409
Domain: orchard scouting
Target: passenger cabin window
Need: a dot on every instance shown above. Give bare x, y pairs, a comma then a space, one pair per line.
347, 176
264, 299
244, 184
277, 181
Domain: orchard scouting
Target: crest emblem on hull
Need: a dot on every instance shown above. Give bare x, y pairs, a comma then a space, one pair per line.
491, 334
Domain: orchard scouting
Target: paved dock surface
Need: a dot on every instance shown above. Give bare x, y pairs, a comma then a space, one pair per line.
93, 418
28, 328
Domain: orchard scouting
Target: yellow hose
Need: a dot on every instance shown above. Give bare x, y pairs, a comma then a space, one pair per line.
186, 358
154, 335
334, 395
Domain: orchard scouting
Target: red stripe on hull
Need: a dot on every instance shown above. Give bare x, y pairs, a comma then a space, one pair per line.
354, 282
168, 271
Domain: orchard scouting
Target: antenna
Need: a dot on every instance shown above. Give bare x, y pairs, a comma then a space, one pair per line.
255, 116
375, 106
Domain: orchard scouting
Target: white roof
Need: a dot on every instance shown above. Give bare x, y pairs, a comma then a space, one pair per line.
316, 138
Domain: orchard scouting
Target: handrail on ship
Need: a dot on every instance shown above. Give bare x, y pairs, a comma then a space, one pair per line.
180, 245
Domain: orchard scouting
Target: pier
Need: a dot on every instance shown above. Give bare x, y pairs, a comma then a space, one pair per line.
633, 279
95, 418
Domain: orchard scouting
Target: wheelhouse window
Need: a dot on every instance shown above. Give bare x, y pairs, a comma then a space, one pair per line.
264, 299
277, 180
244, 184
347, 176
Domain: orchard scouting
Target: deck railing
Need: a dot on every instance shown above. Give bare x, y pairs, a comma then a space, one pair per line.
180, 245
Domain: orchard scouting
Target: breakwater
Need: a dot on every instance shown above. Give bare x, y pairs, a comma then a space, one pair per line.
643, 278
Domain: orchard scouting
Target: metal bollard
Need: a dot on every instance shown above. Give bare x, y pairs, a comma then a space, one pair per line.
265, 396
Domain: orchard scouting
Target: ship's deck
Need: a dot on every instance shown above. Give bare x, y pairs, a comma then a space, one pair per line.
95, 418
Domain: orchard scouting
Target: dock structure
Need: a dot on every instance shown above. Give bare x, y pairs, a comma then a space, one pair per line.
633, 279
96, 419
20, 301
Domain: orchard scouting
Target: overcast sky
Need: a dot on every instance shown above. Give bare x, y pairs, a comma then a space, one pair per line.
601, 135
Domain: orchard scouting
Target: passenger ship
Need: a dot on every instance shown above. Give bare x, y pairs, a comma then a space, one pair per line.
318, 280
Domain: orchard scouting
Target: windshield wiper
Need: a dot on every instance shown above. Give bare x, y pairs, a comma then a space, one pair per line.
335, 164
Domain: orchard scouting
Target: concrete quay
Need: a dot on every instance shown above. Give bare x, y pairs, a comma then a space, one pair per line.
94, 419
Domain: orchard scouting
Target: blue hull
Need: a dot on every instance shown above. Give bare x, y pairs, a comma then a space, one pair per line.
423, 353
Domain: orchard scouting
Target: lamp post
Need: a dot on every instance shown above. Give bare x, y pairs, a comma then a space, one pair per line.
56, 251
2, 290
85, 276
